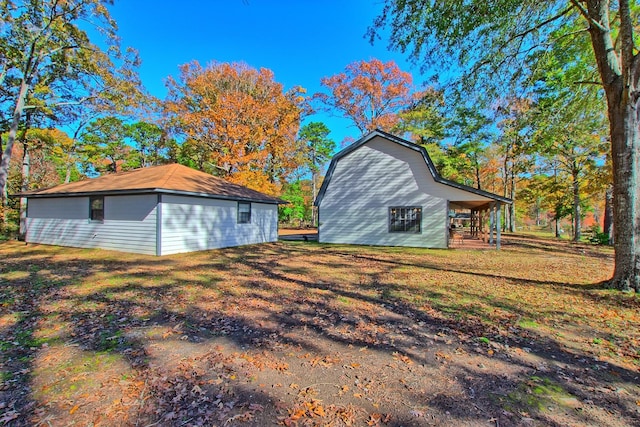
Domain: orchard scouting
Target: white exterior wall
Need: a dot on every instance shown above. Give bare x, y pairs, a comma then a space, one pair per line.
376, 176
129, 223
195, 224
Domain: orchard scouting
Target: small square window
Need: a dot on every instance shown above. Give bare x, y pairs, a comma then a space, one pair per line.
244, 213
96, 208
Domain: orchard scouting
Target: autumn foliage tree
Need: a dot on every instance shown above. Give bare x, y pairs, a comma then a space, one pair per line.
235, 121
571, 131
370, 93
47, 165
48, 64
514, 122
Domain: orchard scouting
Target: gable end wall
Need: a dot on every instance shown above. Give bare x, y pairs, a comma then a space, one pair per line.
195, 224
370, 180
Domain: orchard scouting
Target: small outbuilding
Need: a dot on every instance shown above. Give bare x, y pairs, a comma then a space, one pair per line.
384, 190
159, 210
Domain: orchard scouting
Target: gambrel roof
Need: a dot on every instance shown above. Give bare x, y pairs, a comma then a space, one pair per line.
428, 164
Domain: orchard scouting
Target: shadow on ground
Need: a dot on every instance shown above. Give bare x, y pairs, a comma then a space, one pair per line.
297, 333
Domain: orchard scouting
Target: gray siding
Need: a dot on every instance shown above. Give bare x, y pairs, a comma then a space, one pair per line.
129, 223
368, 181
194, 224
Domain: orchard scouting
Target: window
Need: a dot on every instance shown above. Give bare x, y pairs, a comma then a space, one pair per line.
405, 219
96, 208
244, 213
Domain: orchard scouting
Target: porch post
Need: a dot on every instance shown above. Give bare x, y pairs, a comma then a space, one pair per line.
491, 222
474, 223
447, 230
498, 215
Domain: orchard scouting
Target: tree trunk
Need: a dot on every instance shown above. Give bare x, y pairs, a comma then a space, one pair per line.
625, 146
26, 175
577, 214
608, 214
512, 206
314, 210
5, 208
620, 74
11, 137
3, 200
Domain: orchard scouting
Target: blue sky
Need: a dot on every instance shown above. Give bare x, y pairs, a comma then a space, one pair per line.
300, 41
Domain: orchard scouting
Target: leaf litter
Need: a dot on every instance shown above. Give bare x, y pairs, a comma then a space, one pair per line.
305, 334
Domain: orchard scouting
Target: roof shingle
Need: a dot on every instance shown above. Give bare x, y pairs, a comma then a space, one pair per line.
173, 178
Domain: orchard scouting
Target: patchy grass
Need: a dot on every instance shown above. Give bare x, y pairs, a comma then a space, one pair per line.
308, 334
540, 395
528, 324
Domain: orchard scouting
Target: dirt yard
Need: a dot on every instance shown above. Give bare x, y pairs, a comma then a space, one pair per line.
306, 334
296, 231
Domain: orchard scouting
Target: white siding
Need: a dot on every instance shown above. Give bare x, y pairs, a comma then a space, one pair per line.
129, 223
194, 224
376, 176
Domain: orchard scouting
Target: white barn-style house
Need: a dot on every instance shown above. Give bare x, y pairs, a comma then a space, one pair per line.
159, 210
384, 190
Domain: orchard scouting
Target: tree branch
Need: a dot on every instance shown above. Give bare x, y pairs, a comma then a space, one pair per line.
51, 52
540, 25
584, 12
606, 56
3, 73
627, 45
520, 36
587, 82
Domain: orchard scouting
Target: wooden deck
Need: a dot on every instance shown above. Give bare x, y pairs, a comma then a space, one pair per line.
311, 235
469, 242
